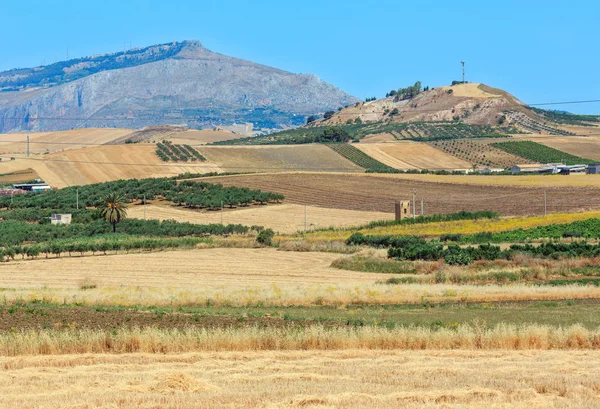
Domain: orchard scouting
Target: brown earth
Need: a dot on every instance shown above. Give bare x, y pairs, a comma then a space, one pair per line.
378, 193
19, 176
36, 317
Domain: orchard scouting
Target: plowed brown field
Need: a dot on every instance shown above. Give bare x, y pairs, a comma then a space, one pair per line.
379, 192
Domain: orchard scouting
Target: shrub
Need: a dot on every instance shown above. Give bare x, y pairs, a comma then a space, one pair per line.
265, 237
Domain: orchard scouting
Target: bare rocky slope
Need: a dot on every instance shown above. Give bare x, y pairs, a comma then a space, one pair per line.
176, 84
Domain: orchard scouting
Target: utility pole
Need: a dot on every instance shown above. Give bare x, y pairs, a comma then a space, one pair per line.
77, 200
422, 211
545, 203
305, 219
221, 212
413, 204
144, 207
27, 145
463, 71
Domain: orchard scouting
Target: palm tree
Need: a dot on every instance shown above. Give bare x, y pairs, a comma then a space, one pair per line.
114, 209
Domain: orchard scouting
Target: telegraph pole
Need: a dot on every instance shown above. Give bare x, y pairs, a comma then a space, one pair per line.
221, 212
305, 219
27, 145
77, 195
463, 71
144, 207
422, 211
545, 203
413, 204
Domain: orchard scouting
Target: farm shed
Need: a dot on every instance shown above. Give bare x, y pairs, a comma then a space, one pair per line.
532, 168
593, 169
32, 187
61, 218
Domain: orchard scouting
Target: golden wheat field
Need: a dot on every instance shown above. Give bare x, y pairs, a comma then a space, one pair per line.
304, 379
285, 218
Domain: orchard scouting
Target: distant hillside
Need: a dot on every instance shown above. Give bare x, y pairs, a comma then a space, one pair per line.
180, 84
443, 113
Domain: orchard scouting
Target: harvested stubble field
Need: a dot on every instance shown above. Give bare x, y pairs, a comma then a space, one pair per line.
205, 268
101, 164
304, 379
311, 157
412, 155
285, 218
370, 192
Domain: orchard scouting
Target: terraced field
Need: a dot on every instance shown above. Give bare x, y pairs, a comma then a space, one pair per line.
379, 192
412, 155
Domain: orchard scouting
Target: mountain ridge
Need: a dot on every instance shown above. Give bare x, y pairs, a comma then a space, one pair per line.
179, 84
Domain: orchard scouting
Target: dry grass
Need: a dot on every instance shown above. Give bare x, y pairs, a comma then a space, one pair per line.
158, 340
457, 227
305, 379
412, 155
285, 218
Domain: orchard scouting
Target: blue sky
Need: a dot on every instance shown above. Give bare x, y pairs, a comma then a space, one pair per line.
541, 51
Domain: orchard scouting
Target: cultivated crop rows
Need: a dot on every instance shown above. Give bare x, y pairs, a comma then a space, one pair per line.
525, 122
479, 152
169, 152
360, 158
379, 193
567, 118
451, 130
540, 153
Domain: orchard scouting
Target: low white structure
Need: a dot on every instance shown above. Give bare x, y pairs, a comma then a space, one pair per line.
61, 218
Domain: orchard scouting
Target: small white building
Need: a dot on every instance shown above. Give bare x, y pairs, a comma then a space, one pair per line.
61, 218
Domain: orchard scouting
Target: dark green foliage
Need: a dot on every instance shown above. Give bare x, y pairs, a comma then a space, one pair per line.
589, 229
463, 215
361, 159
328, 114
167, 151
408, 92
311, 119
14, 232
540, 153
265, 237
567, 118
199, 195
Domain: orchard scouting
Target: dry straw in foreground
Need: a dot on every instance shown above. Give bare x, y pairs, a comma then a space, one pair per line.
154, 340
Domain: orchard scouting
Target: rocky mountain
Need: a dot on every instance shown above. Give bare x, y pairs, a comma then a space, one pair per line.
174, 84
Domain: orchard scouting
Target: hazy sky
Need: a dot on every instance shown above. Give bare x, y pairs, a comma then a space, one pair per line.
541, 51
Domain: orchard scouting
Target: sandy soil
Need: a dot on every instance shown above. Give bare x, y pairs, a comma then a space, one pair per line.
285, 218
412, 155
305, 379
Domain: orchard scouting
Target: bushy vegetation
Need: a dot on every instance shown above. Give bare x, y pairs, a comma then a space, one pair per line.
416, 248
169, 152
435, 218
14, 232
540, 153
199, 195
589, 229
361, 159
567, 118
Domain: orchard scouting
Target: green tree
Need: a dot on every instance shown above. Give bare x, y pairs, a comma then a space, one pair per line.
114, 209
311, 119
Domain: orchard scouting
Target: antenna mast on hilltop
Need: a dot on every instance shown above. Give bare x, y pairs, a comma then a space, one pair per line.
463, 70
